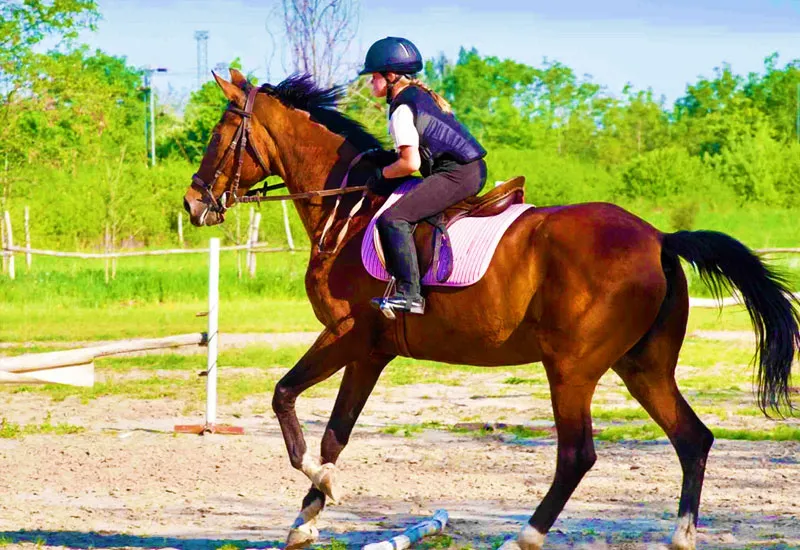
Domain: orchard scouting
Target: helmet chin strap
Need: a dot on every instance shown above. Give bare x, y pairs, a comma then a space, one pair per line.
390, 87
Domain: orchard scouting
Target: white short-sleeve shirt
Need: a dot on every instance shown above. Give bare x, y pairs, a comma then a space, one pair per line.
402, 129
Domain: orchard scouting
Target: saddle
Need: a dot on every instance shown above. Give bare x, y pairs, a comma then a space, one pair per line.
431, 238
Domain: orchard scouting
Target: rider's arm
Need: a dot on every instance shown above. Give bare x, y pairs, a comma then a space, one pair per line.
407, 163
406, 143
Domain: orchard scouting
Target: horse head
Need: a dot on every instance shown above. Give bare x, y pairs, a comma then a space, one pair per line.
236, 158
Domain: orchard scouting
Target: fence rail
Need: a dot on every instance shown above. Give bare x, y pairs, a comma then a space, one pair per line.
258, 247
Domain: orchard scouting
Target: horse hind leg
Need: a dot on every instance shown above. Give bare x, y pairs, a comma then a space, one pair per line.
649, 374
571, 398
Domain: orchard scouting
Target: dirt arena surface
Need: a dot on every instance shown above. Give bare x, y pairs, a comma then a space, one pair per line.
129, 482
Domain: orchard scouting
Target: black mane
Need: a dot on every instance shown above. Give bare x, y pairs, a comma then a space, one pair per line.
299, 91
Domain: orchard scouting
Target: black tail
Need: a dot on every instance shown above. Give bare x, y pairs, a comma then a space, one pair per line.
723, 262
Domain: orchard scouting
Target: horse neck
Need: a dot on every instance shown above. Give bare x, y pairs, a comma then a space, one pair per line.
311, 158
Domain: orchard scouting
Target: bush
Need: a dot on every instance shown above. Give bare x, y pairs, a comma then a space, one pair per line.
551, 179
753, 167
666, 173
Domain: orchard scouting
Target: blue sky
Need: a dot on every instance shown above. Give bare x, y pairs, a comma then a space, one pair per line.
661, 45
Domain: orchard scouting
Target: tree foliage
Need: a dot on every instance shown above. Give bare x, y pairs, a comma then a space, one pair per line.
72, 125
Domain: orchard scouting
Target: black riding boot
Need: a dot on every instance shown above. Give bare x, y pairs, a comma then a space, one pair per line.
401, 262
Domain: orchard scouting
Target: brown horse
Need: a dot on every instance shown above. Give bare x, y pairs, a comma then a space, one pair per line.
582, 288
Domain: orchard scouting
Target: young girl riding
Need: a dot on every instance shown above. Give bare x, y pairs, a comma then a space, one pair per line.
428, 138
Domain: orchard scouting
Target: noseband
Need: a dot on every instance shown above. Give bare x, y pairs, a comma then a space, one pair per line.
238, 144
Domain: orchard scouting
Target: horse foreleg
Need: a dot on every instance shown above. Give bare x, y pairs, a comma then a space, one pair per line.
329, 353
357, 384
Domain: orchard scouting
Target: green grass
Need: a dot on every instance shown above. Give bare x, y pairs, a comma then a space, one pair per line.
41, 322
516, 380
410, 430
708, 353
436, 542
64, 299
231, 389
12, 430
155, 279
779, 433
619, 414
631, 432
650, 431
5, 541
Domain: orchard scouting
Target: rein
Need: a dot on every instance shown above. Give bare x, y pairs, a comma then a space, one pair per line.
237, 146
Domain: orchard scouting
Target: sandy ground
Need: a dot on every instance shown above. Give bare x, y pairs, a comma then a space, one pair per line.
129, 482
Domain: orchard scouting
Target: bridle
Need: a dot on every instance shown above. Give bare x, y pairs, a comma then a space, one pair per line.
237, 146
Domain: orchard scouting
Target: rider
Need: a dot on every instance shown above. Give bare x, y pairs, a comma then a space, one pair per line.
427, 138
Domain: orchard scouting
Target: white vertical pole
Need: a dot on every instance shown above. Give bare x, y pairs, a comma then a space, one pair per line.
180, 229
248, 254
3, 244
254, 240
108, 251
286, 226
238, 242
213, 327
10, 241
152, 123
27, 238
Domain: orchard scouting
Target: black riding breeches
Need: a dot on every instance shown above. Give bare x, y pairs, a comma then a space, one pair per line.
432, 195
438, 192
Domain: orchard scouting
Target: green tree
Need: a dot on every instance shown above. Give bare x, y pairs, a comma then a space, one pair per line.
775, 94
715, 112
26, 23
188, 138
631, 126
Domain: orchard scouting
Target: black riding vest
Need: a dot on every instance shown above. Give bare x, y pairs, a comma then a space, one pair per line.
441, 136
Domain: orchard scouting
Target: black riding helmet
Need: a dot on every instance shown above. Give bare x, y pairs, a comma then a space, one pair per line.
393, 54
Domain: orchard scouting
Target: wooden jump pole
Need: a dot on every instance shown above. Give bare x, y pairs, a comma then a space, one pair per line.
413, 534
75, 366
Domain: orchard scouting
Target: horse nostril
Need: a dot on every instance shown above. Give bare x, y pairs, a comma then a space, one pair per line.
186, 206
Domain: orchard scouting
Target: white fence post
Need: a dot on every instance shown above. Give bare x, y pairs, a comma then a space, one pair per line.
180, 229
107, 243
28, 255
213, 336
10, 241
248, 255
3, 245
287, 227
253, 241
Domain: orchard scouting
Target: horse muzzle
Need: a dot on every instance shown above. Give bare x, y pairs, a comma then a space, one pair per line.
201, 213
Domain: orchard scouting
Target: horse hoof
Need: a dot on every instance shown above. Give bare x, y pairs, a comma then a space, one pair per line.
510, 544
326, 483
529, 539
685, 535
301, 537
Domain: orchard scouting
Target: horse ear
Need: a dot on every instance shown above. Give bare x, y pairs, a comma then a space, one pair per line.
238, 78
231, 91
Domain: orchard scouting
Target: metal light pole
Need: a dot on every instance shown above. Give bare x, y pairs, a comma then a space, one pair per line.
148, 86
797, 114
202, 56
